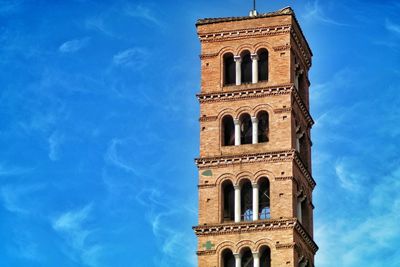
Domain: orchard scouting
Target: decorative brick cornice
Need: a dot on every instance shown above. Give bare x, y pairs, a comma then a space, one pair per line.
244, 93
245, 33
304, 170
264, 225
201, 186
228, 228
206, 252
306, 56
306, 237
275, 156
244, 158
258, 92
208, 118
302, 107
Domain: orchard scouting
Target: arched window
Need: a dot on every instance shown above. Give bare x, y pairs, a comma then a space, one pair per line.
247, 258
229, 69
246, 130
246, 67
265, 257
228, 198
264, 199
263, 64
228, 260
228, 131
304, 149
246, 197
263, 126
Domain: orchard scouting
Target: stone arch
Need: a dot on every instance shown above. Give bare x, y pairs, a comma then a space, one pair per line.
242, 110
262, 45
226, 176
224, 245
263, 242
226, 111
264, 173
245, 47
244, 177
263, 107
243, 244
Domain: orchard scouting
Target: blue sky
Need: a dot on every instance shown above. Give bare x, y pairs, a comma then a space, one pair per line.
98, 130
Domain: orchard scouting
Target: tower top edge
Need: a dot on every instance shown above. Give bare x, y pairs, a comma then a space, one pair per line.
281, 12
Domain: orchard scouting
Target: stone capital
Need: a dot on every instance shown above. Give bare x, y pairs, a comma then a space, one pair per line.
238, 59
254, 56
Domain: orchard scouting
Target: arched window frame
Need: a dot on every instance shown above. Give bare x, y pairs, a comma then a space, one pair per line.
227, 258
265, 256
246, 67
264, 201
246, 201
227, 131
227, 194
229, 69
263, 64
263, 126
246, 129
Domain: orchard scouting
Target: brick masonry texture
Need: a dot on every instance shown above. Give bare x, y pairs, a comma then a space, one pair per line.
288, 239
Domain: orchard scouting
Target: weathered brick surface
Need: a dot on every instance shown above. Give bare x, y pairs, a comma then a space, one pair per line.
289, 174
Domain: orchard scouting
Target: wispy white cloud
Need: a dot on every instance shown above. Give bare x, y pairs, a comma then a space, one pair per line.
6, 170
175, 243
142, 12
55, 140
73, 45
112, 157
71, 226
348, 180
392, 27
315, 12
15, 198
133, 57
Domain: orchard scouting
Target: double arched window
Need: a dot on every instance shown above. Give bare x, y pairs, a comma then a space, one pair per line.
238, 203
246, 257
240, 132
245, 68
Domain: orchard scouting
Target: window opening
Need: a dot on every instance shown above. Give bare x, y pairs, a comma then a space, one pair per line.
247, 202
228, 260
263, 125
228, 131
263, 65
264, 200
246, 128
247, 259
229, 69
246, 68
229, 201
265, 259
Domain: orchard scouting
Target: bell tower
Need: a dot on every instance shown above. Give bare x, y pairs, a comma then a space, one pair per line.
255, 181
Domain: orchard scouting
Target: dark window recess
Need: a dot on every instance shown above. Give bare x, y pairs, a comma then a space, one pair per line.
246, 68
264, 200
246, 129
247, 201
229, 69
229, 201
228, 131
263, 65
247, 258
228, 260
263, 125
304, 150
265, 259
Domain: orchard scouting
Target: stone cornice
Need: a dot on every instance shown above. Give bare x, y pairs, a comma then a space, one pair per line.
306, 56
263, 225
302, 107
258, 92
306, 237
245, 33
310, 180
244, 93
276, 156
228, 228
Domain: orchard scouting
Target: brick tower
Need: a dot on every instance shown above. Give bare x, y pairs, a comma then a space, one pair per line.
255, 183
